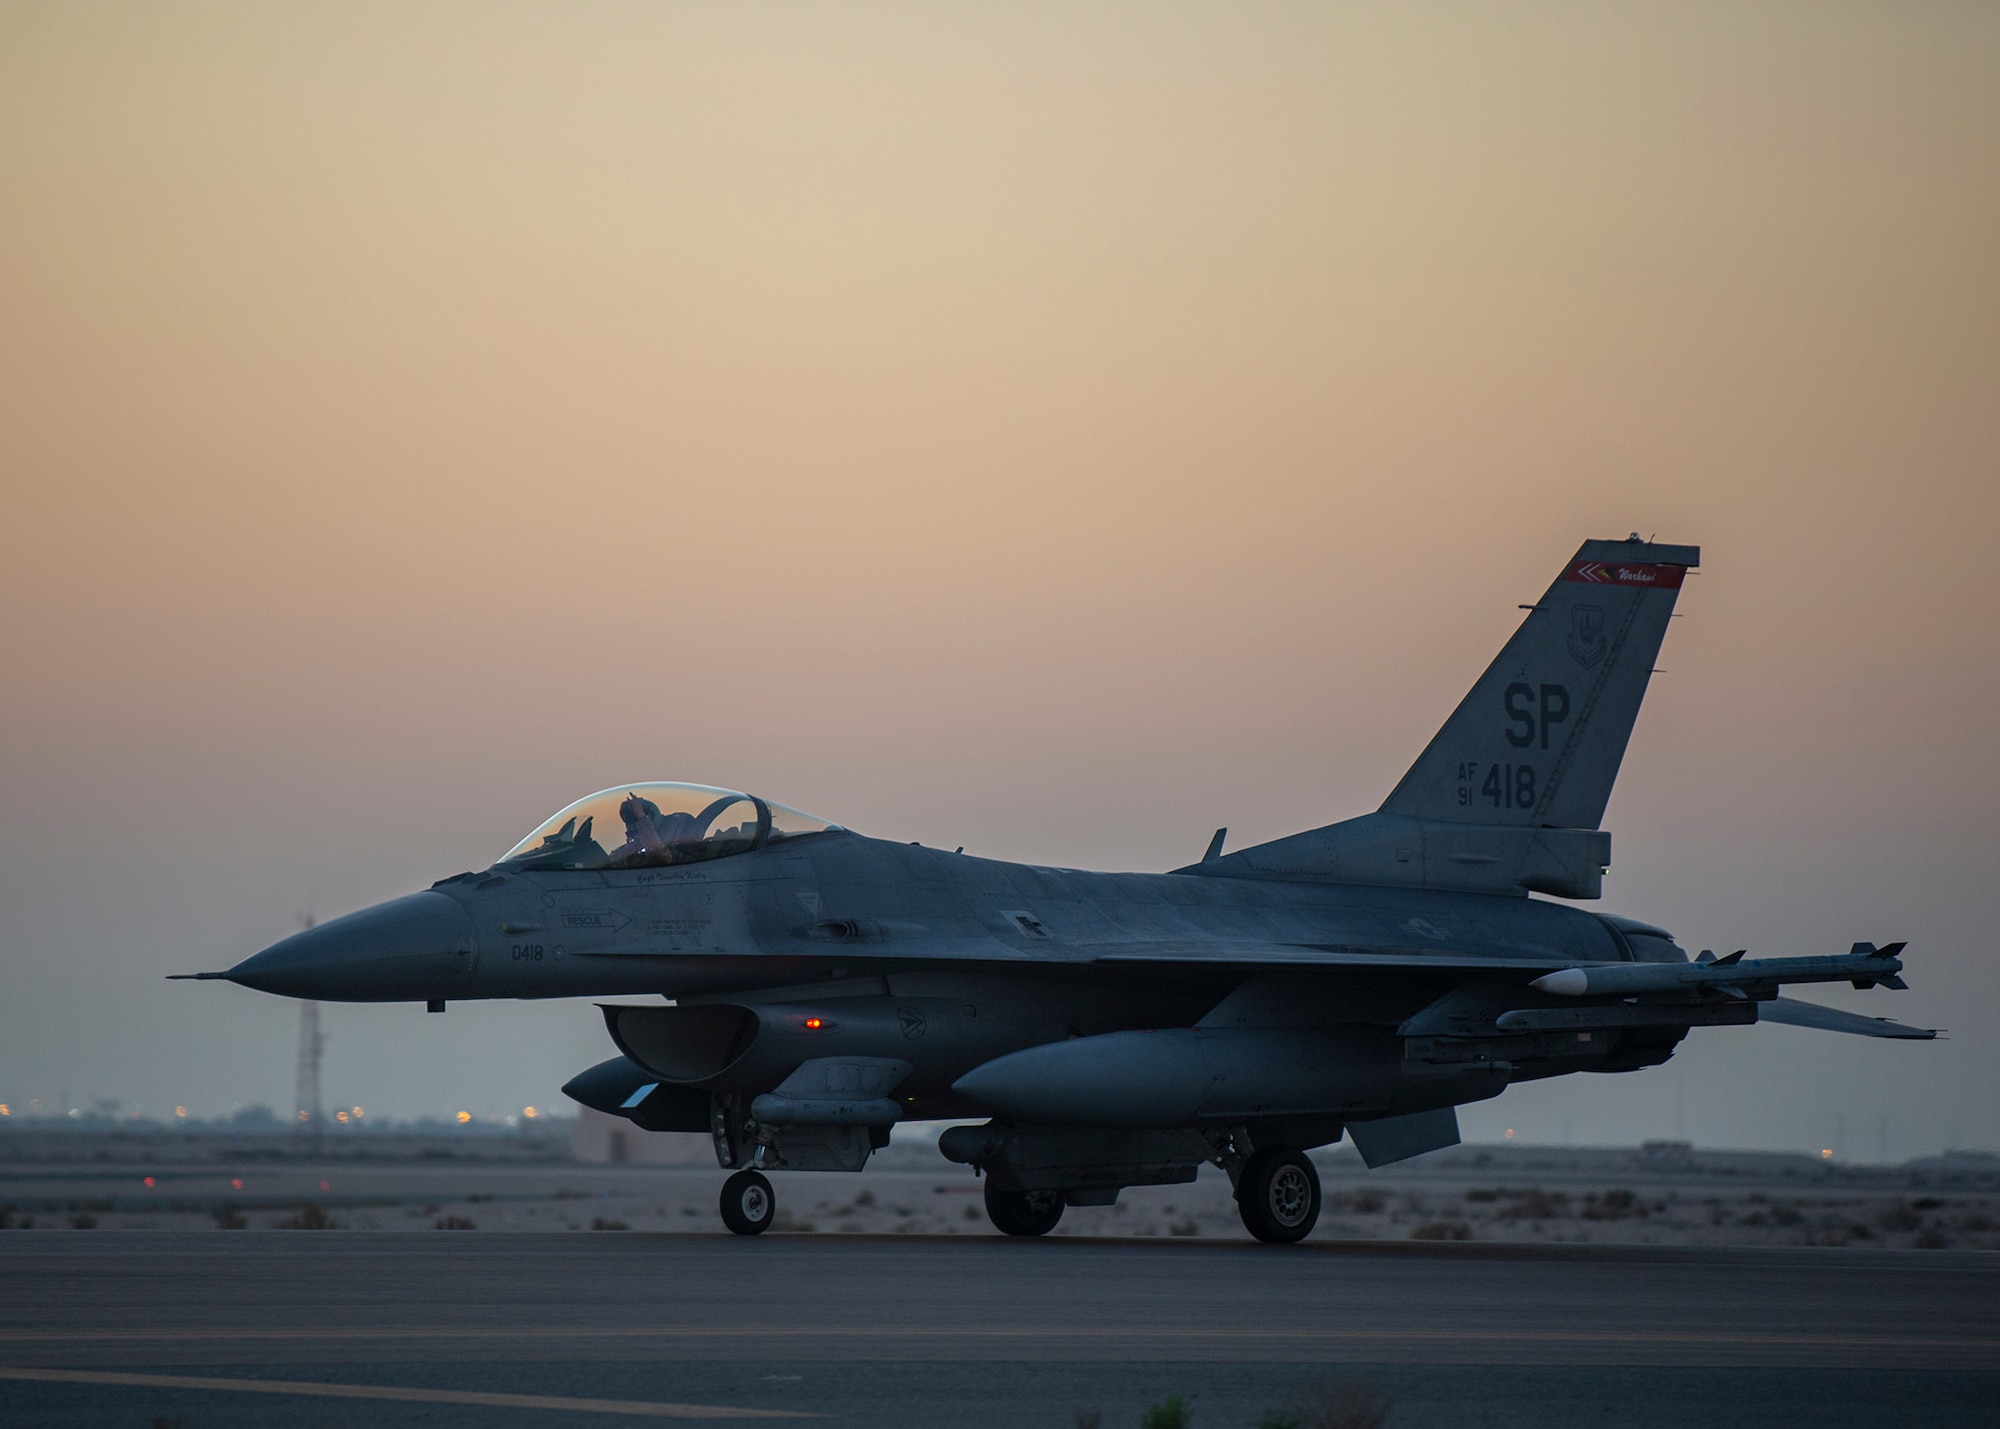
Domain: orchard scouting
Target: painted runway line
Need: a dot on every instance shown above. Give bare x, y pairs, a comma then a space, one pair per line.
1834, 1340
643, 1408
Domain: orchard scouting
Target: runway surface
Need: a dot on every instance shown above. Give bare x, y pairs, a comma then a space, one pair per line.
138, 1328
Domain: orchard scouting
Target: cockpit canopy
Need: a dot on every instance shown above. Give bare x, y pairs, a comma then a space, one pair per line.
653, 825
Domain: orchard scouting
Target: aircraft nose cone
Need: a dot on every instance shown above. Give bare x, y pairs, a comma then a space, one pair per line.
407, 948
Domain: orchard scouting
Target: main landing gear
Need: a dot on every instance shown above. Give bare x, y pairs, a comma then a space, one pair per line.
748, 1203
1023, 1212
1277, 1193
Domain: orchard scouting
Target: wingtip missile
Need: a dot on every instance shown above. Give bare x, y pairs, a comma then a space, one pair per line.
1865, 967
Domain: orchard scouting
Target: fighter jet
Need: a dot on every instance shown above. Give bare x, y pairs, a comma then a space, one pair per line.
1093, 1031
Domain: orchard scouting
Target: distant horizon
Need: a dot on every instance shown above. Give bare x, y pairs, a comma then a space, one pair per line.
262, 1120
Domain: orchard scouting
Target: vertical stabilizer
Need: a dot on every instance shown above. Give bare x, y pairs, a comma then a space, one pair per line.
1539, 739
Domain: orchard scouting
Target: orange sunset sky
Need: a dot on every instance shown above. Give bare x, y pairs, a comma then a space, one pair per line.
1058, 430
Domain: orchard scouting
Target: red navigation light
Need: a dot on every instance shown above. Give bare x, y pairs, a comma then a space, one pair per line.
813, 1024
149, 1182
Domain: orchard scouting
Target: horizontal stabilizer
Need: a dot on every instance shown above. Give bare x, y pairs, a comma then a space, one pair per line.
1828, 1019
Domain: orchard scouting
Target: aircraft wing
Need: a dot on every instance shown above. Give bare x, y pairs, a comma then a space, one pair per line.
1307, 955
1828, 1019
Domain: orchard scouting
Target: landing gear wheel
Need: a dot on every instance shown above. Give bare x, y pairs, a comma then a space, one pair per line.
748, 1203
1023, 1212
1278, 1194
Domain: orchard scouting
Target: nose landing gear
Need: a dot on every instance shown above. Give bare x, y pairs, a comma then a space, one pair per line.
1277, 1193
748, 1203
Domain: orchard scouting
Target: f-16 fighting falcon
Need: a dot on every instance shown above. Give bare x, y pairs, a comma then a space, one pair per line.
1106, 1030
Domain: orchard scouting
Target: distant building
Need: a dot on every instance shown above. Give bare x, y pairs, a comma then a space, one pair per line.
614, 1141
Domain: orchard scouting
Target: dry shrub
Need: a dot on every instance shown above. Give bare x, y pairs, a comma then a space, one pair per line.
1613, 1206
1441, 1230
1534, 1205
1900, 1217
309, 1217
1333, 1403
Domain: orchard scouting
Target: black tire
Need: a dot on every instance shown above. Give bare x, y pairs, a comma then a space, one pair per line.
1278, 1195
748, 1203
1023, 1212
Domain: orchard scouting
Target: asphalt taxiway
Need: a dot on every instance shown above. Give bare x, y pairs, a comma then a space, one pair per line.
330, 1329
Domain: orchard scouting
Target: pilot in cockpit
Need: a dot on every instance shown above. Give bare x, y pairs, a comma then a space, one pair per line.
666, 824
651, 834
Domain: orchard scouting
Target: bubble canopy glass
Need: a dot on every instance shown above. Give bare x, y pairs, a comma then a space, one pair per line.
654, 825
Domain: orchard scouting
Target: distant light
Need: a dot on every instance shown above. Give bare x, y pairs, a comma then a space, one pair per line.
324, 1187
305, 1116
6, 1110
464, 1117
1826, 1153
340, 1116
180, 1111
149, 1183
1510, 1133
813, 1024
529, 1112
236, 1183
358, 1112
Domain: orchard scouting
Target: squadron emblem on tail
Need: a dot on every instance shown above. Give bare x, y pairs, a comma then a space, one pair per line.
1586, 634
